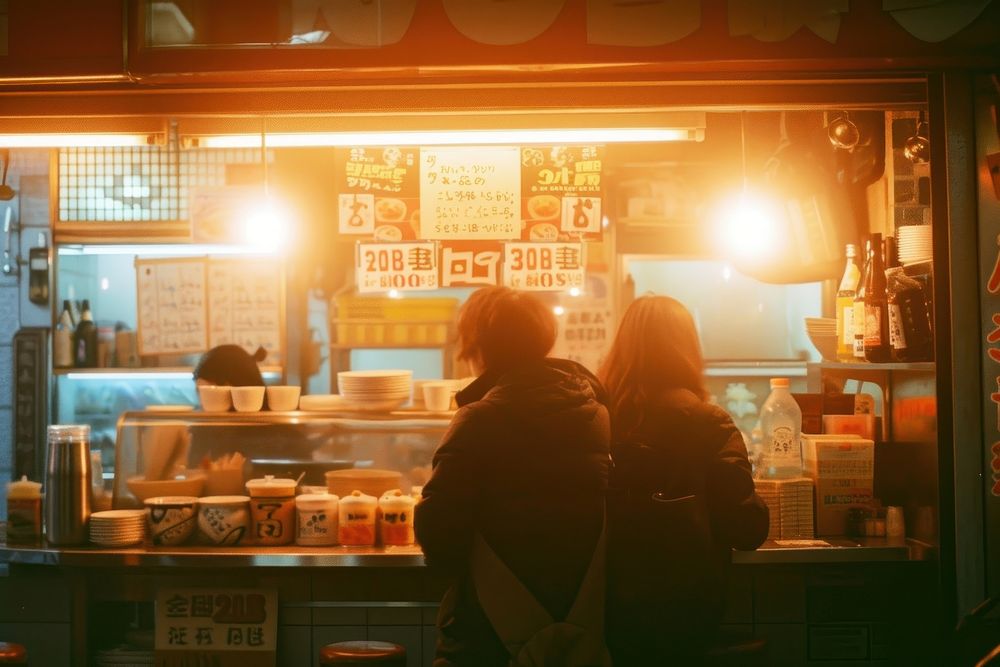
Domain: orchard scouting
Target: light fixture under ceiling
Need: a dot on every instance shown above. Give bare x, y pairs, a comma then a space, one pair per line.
68, 132
421, 129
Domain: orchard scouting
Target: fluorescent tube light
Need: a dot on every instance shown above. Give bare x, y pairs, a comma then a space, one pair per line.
458, 137
56, 140
165, 250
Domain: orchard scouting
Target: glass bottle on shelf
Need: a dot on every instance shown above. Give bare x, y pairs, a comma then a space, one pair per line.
62, 354
877, 346
85, 340
845, 306
858, 316
910, 332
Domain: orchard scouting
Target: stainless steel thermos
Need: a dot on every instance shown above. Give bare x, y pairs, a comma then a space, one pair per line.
67, 485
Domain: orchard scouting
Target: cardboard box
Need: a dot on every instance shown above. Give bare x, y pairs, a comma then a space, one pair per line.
842, 468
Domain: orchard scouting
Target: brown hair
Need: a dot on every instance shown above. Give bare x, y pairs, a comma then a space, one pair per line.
499, 329
656, 349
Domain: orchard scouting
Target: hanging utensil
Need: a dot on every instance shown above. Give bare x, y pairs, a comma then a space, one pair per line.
6, 192
917, 148
843, 133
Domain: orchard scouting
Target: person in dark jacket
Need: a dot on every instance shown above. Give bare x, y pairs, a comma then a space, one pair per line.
523, 466
669, 558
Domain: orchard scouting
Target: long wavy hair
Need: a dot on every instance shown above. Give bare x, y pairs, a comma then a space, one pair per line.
656, 349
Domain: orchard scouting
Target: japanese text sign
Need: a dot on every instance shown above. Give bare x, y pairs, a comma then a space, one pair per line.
378, 186
543, 266
561, 191
470, 192
381, 267
470, 263
223, 627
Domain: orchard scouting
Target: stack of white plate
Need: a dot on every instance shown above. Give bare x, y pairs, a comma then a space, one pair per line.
118, 528
375, 390
790, 506
822, 333
914, 244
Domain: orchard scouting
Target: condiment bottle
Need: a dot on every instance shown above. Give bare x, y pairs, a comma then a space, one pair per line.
272, 510
85, 340
24, 511
67, 484
845, 306
858, 318
62, 356
317, 517
357, 520
909, 322
396, 518
877, 346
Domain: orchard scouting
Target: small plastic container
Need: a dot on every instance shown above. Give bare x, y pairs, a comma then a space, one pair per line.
24, 511
272, 510
357, 520
317, 517
396, 518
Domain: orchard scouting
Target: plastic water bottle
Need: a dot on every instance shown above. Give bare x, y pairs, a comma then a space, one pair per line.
781, 428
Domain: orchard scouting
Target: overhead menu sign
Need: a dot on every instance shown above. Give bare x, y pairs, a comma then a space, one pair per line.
561, 191
381, 267
378, 193
470, 192
172, 312
543, 266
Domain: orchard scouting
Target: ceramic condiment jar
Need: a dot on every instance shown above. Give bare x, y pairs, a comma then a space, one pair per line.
396, 518
317, 519
357, 520
24, 511
272, 510
223, 520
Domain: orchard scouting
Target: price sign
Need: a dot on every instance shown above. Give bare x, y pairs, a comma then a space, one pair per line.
400, 266
470, 263
470, 192
222, 627
543, 266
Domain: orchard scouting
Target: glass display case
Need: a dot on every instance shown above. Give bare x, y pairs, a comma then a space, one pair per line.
192, 453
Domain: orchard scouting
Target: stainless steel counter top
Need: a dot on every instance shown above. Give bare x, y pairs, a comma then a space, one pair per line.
865, 550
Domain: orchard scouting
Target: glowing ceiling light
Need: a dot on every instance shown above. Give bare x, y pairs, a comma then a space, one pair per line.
56, 140
748, 226
267, 227
456, 137
559, 311
575, 291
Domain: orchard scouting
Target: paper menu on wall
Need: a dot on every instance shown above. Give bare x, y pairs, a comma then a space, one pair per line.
470, 192
172, 316
244, 305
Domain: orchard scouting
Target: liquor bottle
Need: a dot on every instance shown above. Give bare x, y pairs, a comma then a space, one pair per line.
845, 306
877, 346
781, 429
85, 340
62, 356
858, 317
910, 332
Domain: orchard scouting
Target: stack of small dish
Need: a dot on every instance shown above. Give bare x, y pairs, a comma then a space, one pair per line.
914, 244
790, 506
376, 390
118, 528
823, 335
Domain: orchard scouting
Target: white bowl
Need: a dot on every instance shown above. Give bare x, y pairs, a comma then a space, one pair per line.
283, 398
248, 399
826, 345
214, 399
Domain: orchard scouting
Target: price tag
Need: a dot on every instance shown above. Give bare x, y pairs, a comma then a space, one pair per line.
470, 263
221, 627
396, 266
543, 266
470, 192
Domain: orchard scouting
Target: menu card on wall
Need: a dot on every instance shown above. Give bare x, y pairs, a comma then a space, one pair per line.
381, 267
470, 192
543, 266
379, 192
172, 313
244, 305
561, 192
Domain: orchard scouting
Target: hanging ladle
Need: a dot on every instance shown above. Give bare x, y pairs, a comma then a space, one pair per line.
917, 148
843, 133
6, 192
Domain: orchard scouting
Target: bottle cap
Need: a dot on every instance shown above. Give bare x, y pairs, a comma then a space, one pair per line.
271, 486
779, 382
69, 433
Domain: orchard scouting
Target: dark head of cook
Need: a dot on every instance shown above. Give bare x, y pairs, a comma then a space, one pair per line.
230, 365
500, 329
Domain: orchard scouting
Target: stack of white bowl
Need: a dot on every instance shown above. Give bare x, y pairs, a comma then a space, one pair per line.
823, 335
914, 244
376, 390
118, 528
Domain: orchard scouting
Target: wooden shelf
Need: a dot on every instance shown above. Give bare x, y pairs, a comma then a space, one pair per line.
916, 366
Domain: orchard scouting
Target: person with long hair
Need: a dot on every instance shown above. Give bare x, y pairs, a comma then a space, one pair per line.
514, 508
682, 494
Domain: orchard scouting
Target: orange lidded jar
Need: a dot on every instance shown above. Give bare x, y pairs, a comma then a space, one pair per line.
24, 511
396, 518
272, 510
356, 527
